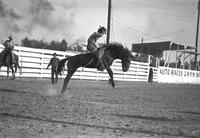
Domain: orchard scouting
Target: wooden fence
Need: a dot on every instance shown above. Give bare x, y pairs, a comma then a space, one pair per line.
34, 63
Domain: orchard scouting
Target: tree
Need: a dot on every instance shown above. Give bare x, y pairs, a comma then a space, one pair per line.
53, 45
63, 45
25, 42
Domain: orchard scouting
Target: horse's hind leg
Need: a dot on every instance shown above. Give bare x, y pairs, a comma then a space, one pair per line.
15, 68
66, 80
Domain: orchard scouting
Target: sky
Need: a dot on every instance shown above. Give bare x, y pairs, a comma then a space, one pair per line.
76, 20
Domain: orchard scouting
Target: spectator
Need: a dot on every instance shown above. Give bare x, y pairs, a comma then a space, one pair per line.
54, 64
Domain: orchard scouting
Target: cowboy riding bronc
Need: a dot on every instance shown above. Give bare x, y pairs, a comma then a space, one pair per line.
92, 46
8, 44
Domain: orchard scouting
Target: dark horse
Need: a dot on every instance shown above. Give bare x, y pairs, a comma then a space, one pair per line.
6, 60
111, 52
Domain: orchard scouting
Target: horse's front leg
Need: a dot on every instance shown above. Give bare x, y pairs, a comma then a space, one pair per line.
111, 81
13, 73
7, 72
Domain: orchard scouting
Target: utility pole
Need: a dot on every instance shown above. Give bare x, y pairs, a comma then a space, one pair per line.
108, 22
197, 36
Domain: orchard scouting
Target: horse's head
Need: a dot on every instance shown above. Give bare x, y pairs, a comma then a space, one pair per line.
119, 51
126, 58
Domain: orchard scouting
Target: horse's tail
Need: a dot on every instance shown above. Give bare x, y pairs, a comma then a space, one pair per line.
61, 65
16, 63
17, 66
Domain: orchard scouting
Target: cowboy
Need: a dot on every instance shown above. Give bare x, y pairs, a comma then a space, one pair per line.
8, 44
54, 64
92, 46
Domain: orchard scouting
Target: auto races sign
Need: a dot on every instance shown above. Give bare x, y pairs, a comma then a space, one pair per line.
173, 75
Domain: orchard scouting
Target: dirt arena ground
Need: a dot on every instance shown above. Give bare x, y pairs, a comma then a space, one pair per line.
33, 108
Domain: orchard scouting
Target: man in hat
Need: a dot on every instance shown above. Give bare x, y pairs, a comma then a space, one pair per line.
8, 44
54, 64
92, 46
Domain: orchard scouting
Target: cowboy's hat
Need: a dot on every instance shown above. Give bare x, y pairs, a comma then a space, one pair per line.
10, 37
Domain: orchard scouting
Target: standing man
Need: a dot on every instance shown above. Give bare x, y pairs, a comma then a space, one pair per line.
54, 64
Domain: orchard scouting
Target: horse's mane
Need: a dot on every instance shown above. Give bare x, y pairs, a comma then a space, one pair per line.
116, 46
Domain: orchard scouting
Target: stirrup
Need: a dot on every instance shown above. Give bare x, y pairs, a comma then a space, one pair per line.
100, 67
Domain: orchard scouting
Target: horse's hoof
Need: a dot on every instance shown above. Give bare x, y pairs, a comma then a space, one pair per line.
113, 85
110, 82
62, 92
66, 95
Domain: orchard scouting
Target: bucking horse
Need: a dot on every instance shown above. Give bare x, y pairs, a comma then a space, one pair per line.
111, 52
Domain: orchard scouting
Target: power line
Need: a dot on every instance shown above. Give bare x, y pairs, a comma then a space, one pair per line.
169, 33
140, 34
153, 6
155, 13
159, 15
133, 29
151, 37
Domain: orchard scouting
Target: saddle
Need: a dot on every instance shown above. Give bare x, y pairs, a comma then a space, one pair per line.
97, 55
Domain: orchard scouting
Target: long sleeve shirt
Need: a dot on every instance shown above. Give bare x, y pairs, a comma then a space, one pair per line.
54, 63
8, 44
94, 37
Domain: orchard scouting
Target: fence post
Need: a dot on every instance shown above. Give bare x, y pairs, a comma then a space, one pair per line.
19, 57
81, 73
64, 66
41, 73
97, 73
150, 75
136, 71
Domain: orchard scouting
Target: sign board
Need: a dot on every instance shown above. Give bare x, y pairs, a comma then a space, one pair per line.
174, 75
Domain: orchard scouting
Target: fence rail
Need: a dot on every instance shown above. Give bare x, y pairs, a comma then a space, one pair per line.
34, 63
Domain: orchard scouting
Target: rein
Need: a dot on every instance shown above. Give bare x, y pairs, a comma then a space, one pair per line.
89, 62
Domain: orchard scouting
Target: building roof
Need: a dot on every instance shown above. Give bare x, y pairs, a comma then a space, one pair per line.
156, 48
